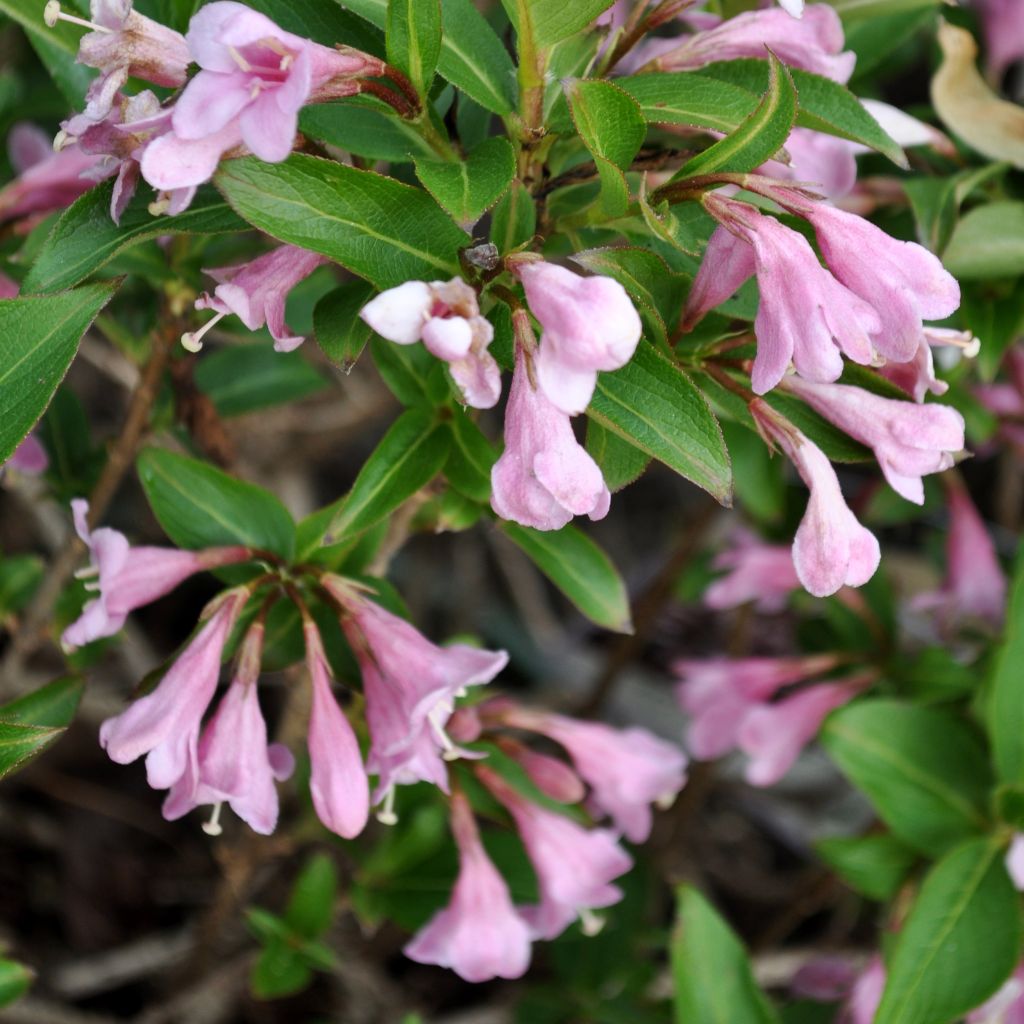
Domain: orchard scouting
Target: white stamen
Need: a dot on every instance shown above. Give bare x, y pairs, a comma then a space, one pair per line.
239, 59
213, 827
386, 815
286, 61
62, 139
590, 922
665, 801
93, 587
193, 340
449, 753
52, 14
87, 572
160, 205
972, 348
256, 88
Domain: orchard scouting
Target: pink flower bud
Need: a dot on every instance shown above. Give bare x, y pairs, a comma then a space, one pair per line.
128, 578
831, 548
554, 778
544, 477
589, 324
256, 292
909, 440
479, 935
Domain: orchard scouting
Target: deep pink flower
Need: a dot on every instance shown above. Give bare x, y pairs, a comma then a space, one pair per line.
627, 769
773, 735
29, 457
337, 783
909, 440
975, 586
719, 693
588, 324
902, 281
256, 292
235, 764
805, 314
813, 43
574, 865
47, 180
410, 687
445, 315
479, 935
254, 79
164, 725
545, 476
755, 571
830, 548
128, 578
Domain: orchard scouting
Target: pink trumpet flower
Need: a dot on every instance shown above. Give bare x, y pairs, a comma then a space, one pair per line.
128, 578
755, 571
544, 477
909, 440
256, 293
831, 548
479, 935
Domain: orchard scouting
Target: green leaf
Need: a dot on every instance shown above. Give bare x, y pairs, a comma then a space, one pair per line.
365, 126
759, 137
200, 506
690, 98
31, 723
414, 39
311, 907
39, 337
1006, 703
340, 332
988, 242
554, 20
20, 575
823, 105
580, 570
468, 188
327, 23
280, 971
620, 462
514, 219
875, 866
959, 942
713, 980
408, 457
468, 468
655, 406
15, 979
242, 378
472, 57
924, 769
609, 120
855, 10
85, 238
760, 487
379, 228
414, 376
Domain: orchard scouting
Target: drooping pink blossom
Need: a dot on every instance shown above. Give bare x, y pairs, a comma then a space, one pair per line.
256, 293
755, 571
805, 315
128, 578
902, 281
773, 735
29, 457
831, 548
337, 782
719, 693
445, 316
552, 776
254, 79
974, 588
812, 43
917, 376
545, 476
827, 163
1003, 29
46, 181
909, 440
164, 725
235, 764
627, 770
479, 935
588, 324
574, 865
410, 687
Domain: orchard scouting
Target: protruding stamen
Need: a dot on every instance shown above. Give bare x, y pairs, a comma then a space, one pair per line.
159, 206
93, 587
448, 751
87, 572
193, 340
62, 139
213, 827
386, 815
665, 801
52, 14
239, 59
255, 89
590, 922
